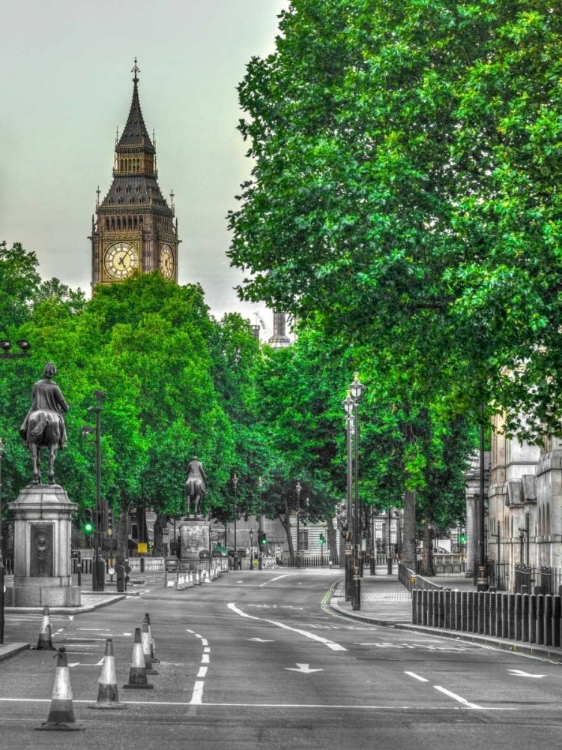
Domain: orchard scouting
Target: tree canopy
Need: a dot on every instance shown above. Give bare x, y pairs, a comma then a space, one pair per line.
404, 193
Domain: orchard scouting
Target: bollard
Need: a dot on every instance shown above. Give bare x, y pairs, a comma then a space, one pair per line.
511, 616
548, 620
447, 609
540, 619
436, 609
481, 611
505, 612
499, 616
556, 613
493, 608
532, 618
475, 603
414, 607
440, 609
424, 607
458, 611
525, 618
517, 613
487, 600
464, 610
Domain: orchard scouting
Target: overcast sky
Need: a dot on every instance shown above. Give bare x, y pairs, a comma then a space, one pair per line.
65, 86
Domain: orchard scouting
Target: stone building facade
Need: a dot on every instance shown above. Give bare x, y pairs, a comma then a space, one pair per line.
525, 511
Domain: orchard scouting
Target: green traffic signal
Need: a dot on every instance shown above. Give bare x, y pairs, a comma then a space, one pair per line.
88, 525
322, 539
462, 539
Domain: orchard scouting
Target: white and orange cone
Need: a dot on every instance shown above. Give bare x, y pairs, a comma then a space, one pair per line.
61, 714
152, 643
146, 650
137, 672
108, 696
45, 642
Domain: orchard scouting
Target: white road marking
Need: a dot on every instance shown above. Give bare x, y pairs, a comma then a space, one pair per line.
520, 673
261, 640
197, 697
204, 642
416, 676
202, 672
207, 650
205, 659
303, 669
92, 630
198, 636
458, 698
187, 630
276, 579
331, 644
259, 705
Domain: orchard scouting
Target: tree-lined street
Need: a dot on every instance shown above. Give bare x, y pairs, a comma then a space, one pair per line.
259, 659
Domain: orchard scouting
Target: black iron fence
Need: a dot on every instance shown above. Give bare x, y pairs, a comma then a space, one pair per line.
543, 580
530, 618
313, 561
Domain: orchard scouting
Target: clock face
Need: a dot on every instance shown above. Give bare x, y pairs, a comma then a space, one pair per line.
121, 259
166, 261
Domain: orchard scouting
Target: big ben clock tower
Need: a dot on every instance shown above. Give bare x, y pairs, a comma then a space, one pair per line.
134, 227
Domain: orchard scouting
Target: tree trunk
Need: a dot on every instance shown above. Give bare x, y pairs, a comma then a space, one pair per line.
409, 544
160, 524
285, 519
427, 556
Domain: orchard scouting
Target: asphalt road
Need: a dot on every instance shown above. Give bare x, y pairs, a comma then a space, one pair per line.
257, 659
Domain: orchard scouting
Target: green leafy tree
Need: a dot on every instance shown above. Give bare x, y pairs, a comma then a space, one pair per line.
405, 192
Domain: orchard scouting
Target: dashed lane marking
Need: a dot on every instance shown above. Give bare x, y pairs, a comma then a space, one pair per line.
456, 697
416, 676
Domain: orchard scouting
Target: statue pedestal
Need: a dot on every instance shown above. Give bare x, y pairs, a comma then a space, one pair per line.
195, 536
42, 573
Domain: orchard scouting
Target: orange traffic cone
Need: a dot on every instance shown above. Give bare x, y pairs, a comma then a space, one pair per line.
61, 715
146, 650
45, 642
108, 697
152, 645
137, 672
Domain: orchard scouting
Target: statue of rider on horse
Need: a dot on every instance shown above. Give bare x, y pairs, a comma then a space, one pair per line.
44, 425
195, 487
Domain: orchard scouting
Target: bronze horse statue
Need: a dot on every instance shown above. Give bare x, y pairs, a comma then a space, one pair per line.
195, 487
44, 425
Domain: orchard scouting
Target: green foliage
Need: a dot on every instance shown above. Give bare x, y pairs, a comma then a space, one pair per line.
405, 193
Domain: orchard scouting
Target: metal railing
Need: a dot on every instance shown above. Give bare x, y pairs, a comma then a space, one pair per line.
312, 561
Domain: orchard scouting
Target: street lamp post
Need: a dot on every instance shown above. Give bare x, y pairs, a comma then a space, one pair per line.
348, 406
482, 583
251, 548
235, 485
356, 388
98, 572
260, 527
299, 489
5, 353
1, 554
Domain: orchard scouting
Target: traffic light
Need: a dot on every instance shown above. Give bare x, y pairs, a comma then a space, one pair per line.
322, 539
109, 520
462, 538
88, 525
263, 538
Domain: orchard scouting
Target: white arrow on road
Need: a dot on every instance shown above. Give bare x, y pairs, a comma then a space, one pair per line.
520, 673
260, 640
303, 668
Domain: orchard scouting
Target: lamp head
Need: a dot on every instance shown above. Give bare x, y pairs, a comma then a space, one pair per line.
348, 404
356, 388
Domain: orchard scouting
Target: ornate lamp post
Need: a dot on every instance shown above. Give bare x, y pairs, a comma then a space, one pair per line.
251, 549
98, 572
356, 389
1, 554
260, 527
298, 489
348, 407
5, 353
235, 485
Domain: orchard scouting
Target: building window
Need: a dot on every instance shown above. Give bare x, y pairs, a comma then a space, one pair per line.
303, 540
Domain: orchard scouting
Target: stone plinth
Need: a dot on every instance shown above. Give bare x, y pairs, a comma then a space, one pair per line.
195, 536
42, 573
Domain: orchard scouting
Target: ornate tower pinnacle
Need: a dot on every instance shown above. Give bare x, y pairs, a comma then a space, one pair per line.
135, 229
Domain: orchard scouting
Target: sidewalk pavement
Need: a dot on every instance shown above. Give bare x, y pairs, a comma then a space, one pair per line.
384, 601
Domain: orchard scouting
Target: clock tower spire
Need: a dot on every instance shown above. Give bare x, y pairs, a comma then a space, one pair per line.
135, 228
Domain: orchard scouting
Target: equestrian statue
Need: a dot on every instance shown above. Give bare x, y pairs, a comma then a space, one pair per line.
195, 487
44, 425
